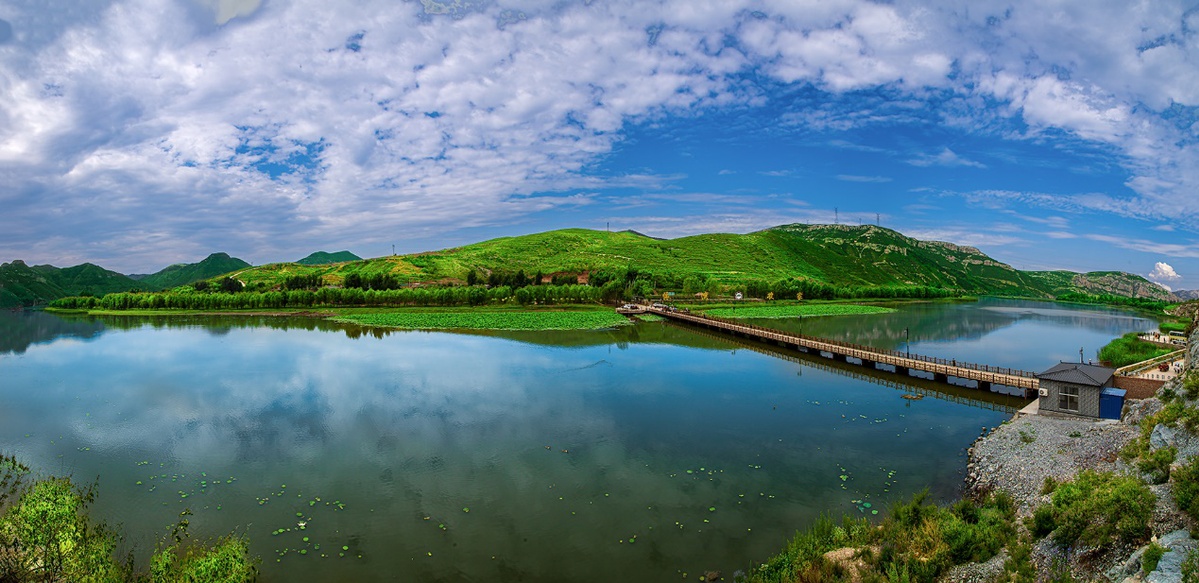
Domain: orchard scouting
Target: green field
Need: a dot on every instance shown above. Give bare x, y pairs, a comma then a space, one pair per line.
793, 310
488, 319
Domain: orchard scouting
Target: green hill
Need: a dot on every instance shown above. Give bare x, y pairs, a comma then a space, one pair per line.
323, 258
840, 255
185, 273
21, 285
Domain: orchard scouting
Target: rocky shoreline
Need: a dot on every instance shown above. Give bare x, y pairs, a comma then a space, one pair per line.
1020, 454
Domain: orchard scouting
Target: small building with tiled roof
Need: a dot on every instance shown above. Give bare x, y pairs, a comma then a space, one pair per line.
1074, 388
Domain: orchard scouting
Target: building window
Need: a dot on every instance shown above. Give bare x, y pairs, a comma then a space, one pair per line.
1067, 398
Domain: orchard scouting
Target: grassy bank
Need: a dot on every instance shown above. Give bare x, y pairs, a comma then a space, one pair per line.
1129, 349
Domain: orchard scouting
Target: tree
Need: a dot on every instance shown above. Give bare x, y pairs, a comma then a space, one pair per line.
230, 285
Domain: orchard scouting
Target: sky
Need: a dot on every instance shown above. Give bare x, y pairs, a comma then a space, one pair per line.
1050, 134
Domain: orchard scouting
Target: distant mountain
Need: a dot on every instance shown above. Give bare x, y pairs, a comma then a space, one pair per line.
185, 273
1187, 294
841, 255
323, 258
22, 285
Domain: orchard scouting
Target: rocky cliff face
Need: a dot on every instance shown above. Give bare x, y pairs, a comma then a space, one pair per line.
1121, 284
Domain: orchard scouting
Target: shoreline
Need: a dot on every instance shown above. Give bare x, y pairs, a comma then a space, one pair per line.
1021, 454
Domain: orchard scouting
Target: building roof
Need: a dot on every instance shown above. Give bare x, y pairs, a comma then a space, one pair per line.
1078, 373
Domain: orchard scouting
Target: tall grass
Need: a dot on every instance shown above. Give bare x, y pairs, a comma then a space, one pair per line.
1129, 349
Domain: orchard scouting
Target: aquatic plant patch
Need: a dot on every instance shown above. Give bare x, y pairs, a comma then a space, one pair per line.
486, 320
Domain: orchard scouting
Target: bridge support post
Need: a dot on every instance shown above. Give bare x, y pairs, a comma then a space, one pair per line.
903, 370
867, 363
940, 378
984, 386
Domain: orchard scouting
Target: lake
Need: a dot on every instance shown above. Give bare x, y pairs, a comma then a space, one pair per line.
642, 453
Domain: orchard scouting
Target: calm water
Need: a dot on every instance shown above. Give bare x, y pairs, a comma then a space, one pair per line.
636, 454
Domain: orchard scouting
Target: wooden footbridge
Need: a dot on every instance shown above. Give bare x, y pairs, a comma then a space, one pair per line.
941, 369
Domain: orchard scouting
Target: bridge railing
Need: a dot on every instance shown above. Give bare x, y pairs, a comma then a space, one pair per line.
860, 347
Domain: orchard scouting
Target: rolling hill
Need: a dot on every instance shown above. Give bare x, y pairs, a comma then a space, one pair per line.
22, 285
185, 273
841, 255
323, 258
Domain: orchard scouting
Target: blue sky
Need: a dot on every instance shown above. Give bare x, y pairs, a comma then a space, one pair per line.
1050, 135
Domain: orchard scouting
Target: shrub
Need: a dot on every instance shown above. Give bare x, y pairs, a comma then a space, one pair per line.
1096, 508
1190, 385
1157, 464
1186, 487
1048, 486
46, 535
1190, 567
1153, 554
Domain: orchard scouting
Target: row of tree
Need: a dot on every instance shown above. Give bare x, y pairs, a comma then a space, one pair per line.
1111, 300
329, 296
612, 290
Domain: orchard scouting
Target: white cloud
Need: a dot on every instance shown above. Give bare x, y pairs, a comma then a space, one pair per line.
308, 121
1163, 273
945, 157
857, 178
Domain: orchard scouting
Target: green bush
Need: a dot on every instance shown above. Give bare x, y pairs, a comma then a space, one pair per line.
1153, 554
917, 541
1190, 567
1186, 487
1190, 385
1096, 508
1048, 486
47, 536
1042, 522
1157, 464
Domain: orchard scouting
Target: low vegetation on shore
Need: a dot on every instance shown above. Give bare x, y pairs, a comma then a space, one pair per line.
917, 541
47, 534
1130, 349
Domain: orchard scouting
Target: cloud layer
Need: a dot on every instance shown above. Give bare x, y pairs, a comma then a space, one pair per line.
137, 132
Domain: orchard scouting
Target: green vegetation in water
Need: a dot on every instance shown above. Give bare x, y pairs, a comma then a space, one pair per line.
917, 541
1129, 349
480, 319
793, 310
46, 534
